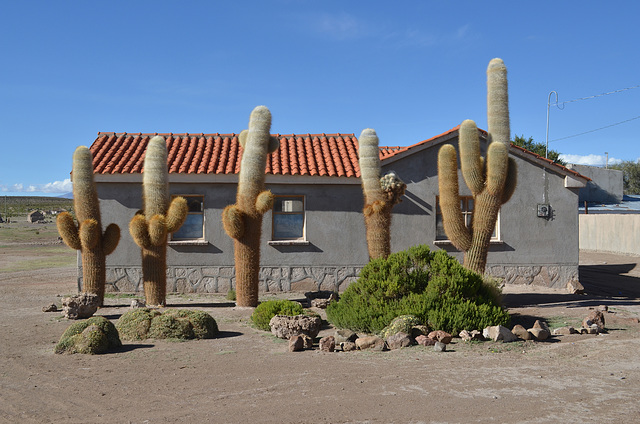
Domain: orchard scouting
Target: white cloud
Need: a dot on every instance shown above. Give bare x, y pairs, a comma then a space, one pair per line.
54, 187
592, 160
340, 26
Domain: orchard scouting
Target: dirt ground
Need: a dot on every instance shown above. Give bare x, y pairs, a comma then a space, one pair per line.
245, 375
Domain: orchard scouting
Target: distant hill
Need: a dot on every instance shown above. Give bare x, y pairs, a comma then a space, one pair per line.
66, 195
15, 206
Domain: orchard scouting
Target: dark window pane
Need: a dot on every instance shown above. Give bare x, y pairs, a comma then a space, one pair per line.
288, 226
191, 229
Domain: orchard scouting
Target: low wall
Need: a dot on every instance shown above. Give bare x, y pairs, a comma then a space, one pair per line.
616, 233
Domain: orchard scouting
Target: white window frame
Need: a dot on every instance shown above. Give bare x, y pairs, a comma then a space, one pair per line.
302, 240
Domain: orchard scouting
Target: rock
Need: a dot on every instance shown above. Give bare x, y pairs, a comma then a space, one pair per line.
564, 331
344, 335
307, 341
498, 332
284, 326
50, 308
574, 287
402, 323
440, 347
539, 333
348, 346
441, 336
80, 306
521, 332
138, 303
589, 330
425, 341
418, 330
594, 317
472, 335
370, 342
296, 343
603, 308
398, 340
327, 344
542, 325
320, 301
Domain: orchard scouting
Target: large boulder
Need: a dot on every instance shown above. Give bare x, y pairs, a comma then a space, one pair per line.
499, 332
398, 340
440, 336
80, 306
284, 326
93, 336
370, 342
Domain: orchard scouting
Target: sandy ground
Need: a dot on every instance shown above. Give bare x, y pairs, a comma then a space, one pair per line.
246, 375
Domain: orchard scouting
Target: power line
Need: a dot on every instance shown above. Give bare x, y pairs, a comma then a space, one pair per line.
597, 95
597, 129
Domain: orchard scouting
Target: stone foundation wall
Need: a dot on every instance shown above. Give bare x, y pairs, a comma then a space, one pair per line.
312, 278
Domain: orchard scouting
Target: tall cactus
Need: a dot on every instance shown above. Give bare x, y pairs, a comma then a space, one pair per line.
243, 220
491, 181
380, 195
150, 226
87, 236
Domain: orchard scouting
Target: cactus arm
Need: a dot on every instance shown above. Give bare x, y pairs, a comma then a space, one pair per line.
139, 231
110, 238
264, 202
497, 166
177, 214
89, 233
452, 216
471, 162
233, 221
68, 230
498, 102
157, 226
511, 182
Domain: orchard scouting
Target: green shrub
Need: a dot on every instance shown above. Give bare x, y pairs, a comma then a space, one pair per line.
231, 295
267, 310
432, 286
94, 335
182, 324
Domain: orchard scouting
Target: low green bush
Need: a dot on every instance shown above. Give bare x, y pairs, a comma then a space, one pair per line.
269, 309
433, 286
183, 324
92, 336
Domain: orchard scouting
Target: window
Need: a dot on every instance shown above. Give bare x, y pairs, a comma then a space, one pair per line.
466, 206
288, 218
193, 227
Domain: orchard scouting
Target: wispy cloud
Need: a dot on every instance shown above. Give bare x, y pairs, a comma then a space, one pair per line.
64, 186
592, 160
341, 26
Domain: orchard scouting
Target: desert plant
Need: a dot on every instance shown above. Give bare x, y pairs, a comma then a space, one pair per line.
150, 226
243, 220
417, 282
380, 195
182, 324
269, 309
491, 181
87, 236
92, 336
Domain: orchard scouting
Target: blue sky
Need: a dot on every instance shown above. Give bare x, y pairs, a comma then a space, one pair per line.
410, 70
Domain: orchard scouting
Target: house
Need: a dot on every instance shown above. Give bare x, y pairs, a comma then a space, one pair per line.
35, 216
315, 236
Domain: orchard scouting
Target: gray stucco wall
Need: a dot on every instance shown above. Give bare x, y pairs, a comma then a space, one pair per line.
606, 185
532, 250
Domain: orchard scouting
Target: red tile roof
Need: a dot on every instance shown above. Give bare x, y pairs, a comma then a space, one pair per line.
333, 155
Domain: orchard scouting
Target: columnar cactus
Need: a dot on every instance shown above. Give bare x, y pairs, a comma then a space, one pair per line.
380, 195
159, 217
243, 220
491, 181
87, 236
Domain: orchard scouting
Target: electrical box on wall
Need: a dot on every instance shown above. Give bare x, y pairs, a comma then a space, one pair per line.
544, 211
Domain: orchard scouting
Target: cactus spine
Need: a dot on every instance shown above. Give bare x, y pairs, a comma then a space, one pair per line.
159, 217
87, 236
491, 181
243, 220
380, 195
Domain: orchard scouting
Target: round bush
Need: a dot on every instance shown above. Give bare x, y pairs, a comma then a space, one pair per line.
269, 309
432, 286
94, 335
182, 324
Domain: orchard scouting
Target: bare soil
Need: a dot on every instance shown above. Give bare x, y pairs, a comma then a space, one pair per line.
246, 375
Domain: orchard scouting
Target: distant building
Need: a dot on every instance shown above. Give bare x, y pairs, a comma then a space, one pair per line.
35, 216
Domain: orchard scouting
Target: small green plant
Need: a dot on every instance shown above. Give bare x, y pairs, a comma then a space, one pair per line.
231, 295
432, 286
92, 336
267, 310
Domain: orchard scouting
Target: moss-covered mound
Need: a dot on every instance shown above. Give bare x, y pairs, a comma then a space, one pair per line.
269, 309
433, 286
402, 323
92, 336
182, 324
